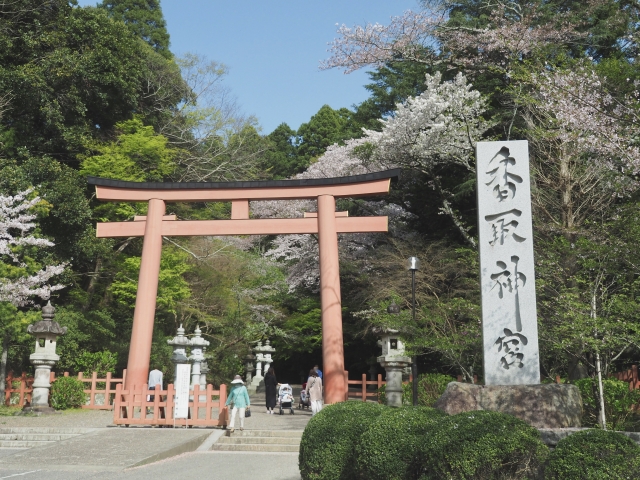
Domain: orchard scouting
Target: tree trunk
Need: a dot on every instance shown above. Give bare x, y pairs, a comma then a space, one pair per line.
92, 284
3, 365
602, 419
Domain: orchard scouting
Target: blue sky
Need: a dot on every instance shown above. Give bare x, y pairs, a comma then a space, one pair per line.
273, 49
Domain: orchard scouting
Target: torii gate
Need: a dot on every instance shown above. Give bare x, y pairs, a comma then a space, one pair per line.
327, 223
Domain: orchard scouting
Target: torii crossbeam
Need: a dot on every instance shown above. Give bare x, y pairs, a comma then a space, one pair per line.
327, 223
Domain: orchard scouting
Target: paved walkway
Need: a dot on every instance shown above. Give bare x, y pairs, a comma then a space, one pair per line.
116, 452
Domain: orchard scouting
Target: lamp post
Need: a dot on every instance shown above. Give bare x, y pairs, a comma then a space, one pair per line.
413, 265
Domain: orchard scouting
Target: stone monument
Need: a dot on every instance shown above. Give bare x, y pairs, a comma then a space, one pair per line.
507, 284
44, 358
395, 362
509, 320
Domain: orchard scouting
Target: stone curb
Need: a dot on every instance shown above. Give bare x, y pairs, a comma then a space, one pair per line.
188, 446
211, 439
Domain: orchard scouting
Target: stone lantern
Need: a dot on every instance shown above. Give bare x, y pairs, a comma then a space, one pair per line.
179, 344
395, 362
46, 332
197, 343
204, 369
249, 368
263, 355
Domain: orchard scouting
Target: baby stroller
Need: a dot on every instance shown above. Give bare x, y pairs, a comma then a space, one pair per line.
304, 398
285, 395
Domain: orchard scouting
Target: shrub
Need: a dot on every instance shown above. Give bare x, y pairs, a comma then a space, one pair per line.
481, 446
330, 441
102, 362
430, 387
594, 455
618, 402
67, 392
389, 449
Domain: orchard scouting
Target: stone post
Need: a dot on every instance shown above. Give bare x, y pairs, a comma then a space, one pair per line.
196, 343
46, 332
179, 344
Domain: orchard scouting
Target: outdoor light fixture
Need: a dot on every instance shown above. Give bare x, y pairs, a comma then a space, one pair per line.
413, 264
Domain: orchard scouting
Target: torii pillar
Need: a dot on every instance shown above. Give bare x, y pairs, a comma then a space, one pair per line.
330, 301
327, 223
145, 310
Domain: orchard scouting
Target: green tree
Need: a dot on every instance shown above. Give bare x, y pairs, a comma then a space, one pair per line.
87, 77
144, 18
138, 155
326, 127
281, 158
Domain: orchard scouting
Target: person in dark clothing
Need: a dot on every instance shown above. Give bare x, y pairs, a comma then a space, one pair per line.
270, 386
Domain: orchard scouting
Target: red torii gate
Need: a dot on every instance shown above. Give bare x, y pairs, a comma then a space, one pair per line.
327, 223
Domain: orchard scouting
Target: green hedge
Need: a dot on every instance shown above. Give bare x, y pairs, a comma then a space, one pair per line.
389, 449
330, 441
481, 446
67, 392
594, 455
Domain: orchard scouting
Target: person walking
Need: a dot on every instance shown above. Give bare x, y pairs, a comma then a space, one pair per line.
270, 387
240, 399
318, 371
314, 391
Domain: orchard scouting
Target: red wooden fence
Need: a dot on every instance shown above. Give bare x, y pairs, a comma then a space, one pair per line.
630, 376
363, 394
18, 389
131, 407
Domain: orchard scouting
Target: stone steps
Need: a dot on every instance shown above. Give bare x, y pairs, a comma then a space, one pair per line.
260, 441
29, 437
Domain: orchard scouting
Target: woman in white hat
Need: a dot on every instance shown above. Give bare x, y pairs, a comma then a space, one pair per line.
240, 399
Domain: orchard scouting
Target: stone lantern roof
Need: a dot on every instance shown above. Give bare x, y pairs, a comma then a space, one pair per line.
47, 324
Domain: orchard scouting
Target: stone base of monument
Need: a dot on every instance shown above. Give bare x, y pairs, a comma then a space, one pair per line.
541, 406
38, 411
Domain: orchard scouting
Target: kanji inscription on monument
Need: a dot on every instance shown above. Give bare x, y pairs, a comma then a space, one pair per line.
509, 319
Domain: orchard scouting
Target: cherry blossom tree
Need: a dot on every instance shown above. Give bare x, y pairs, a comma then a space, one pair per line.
408, 37
583, 144
21, 278
512, 32
439, 128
